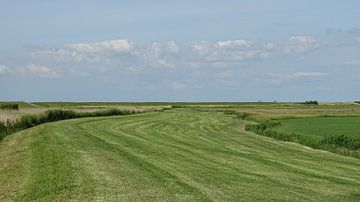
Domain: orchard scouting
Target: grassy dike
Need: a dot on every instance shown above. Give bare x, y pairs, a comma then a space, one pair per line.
174, 155
51, 115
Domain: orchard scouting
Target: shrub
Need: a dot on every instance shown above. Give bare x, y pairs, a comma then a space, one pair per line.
3, 129
240, 115
27, 121
12, 106
177, 106
57, 115
311, 102
111, 112
260, 128
342, 141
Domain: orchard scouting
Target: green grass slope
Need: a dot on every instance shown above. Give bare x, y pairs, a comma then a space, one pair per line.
175, 155
318, 127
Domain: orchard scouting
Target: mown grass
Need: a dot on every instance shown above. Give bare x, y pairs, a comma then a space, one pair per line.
175, 155
51, 115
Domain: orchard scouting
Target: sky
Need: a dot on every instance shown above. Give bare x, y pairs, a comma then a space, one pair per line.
269, 50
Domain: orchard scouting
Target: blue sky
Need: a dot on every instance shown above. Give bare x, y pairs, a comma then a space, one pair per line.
179, 50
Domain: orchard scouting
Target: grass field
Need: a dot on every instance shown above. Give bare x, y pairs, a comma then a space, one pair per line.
174, 155
318, 127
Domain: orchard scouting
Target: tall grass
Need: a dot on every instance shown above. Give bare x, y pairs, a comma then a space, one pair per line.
341, 144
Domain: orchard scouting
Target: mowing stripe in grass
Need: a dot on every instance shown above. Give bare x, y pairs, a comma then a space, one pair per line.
175, 155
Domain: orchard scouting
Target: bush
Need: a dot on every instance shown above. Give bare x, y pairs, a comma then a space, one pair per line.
342, 141
57, 115
111, 112
27, 121
260, 128
311, 102
240, 115
177, 106
3, 130
12, 106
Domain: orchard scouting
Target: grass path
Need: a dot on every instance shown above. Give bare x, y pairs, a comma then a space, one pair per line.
178, 154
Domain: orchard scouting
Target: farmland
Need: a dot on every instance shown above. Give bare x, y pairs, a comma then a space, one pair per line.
195, 152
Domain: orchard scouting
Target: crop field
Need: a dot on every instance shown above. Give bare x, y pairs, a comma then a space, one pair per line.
319, 127
181, 154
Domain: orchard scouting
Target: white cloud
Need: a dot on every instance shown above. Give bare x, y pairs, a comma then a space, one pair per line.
225, 51
93, 52
276, 78
4, 69
202, 48
300, 44
357, 39
32, 69
269, 46
165, 63
308, 74
177, 86
234, 44
231, 56
119, 46
352, 62
123, 53
40, 71
173, 47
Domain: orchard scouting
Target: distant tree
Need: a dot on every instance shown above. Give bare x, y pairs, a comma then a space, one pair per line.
311, 102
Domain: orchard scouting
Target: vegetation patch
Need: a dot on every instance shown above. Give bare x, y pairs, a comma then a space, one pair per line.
316, 132
28, 120
9, 105
240, 115
311, 102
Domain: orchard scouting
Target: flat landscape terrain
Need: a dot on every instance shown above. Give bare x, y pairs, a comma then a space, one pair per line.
189, 153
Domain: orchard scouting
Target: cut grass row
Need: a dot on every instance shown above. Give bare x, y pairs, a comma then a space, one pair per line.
51, 115
175, 155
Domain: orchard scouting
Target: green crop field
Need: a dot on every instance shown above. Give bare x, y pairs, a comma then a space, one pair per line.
318, 127
173, 155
